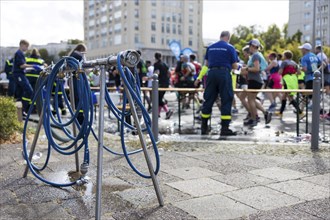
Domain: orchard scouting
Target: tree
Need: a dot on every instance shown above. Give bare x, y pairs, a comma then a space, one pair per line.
63, 53
271, 36
45, 55
75, 41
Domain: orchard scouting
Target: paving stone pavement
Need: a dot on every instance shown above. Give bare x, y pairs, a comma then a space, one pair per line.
212, 180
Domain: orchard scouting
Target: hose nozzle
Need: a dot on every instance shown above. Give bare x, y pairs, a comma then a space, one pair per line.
130, 58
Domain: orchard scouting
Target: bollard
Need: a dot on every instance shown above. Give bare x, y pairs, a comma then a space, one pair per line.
316, 110
155, 106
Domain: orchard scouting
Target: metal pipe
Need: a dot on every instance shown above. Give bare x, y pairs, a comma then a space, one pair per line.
74, 128
155, 106
34, 142
316, 110
100, 145
128, 58
144, 147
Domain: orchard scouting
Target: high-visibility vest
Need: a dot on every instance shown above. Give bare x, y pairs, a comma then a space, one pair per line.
33, 61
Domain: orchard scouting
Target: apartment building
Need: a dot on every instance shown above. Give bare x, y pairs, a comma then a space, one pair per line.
111, 26
311, 17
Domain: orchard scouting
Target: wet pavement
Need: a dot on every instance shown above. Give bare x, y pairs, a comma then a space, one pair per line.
264, 173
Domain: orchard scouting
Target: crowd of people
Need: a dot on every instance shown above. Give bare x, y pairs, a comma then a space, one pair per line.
220, 74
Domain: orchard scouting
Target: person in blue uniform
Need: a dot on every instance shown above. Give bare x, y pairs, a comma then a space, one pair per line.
9, 71
31, 73
221, 58
21, 81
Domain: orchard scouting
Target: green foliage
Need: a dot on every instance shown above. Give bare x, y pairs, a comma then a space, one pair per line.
273, 40
75, 41
63, 53
45, 55
9, 123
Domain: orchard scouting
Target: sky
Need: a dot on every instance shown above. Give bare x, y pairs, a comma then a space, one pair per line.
53, 21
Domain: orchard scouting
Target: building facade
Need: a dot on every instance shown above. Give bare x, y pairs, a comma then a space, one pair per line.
311, 17
145, 25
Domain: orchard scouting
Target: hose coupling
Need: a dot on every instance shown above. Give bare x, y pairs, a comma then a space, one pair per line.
82, 181
84, 169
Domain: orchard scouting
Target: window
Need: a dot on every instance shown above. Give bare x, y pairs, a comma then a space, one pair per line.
153, 3
163, 41
174, 28
307, 27
103, 31
117, 3
91, 13
91, 33
307, 15
136, 13
103, 19
153, 14
117, 39
117, 28
163, 17
174, 17
136, 2
179, 30
191, 7
163, 27
168, 17
308, 4
168, 28
104, 42
136, 38
190, 41
91, 23
110, 30
307, 38
136, 25
153, 26
117, 14
179, 18
153, 39
190, 30
103, 9
191, 18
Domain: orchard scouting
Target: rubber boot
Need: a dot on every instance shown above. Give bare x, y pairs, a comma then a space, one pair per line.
204, 127
225, 131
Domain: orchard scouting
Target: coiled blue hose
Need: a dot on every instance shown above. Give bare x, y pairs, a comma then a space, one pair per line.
127, 77
85, 104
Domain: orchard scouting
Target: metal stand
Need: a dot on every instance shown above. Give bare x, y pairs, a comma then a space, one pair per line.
73, 105
100, 145
155, 106
144, 144
34, 142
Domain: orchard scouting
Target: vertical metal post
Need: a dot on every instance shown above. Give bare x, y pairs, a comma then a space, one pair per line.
155, 106
306, 107
34, 142
297, 100
74, 128
179, 110
100, 145
144, 147
316, 110
314, 23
